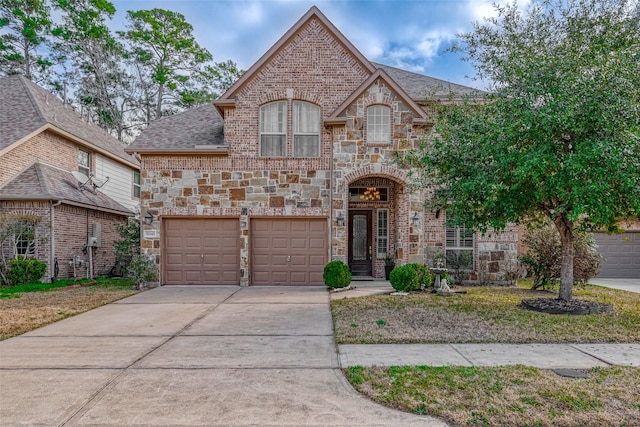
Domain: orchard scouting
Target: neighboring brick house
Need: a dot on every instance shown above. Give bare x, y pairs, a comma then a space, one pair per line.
42, 141
292, 167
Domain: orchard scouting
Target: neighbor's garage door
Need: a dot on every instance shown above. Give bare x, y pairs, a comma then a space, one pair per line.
622, 253
201, 251
288, 251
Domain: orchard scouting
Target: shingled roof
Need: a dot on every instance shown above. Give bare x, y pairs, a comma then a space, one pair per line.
197, 130
41, 181
26, 108
420, 87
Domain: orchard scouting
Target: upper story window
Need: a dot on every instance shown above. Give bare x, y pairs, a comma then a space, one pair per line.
84, 162
136, 184
306, 130
378, 124
273, 129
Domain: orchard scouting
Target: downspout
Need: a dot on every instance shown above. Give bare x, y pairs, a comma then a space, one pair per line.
52, 255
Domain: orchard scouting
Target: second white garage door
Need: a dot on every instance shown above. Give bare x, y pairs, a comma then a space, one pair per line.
288, 251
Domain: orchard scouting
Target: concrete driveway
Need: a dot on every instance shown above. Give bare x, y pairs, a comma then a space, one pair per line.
631, 285
186, 356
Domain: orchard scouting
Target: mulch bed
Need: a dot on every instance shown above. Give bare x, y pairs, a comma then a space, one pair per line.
558, 306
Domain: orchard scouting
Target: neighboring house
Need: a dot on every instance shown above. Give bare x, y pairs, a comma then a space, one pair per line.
42, 142
621, 252
292, 167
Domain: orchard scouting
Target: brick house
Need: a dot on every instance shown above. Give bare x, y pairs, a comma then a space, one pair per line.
42, 141
292, 167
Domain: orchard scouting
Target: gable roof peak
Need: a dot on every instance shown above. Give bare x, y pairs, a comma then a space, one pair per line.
313, 13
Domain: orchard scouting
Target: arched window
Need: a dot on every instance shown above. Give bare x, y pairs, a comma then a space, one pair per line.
378, 124
306, 129
273, 129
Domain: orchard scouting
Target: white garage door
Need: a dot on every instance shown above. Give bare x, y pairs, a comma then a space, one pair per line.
621, 253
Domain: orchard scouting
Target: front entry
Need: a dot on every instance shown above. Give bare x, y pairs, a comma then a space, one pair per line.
360, 249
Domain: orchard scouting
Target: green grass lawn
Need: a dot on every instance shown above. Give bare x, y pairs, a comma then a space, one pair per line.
483, 314
506, 396
495, 396
27, 307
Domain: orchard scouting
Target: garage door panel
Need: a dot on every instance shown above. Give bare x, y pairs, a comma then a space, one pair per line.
621, 254
293, 250
201, 251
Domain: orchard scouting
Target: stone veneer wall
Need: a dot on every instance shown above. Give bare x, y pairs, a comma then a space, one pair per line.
198, 188
356, 162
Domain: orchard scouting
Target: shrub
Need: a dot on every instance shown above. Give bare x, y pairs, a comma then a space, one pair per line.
336, 274
141, 269
127, 247
424, 275
22, 271
404, 278
544, 256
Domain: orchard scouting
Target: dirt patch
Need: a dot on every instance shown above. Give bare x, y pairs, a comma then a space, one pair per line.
35, 309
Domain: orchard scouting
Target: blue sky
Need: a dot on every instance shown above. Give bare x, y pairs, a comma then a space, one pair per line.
408, 34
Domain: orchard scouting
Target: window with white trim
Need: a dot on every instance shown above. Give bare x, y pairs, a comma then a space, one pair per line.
459, 247
306, 129
273, 129
84, 162
378, 124
382, 236
136, 184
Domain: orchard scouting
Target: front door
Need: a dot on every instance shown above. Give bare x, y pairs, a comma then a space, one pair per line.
360, 243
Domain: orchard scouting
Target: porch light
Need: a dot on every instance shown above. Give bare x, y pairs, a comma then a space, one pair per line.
415, 219
370, 194
340, 219
148, 218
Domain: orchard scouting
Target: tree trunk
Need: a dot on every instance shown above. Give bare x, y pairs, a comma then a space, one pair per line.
565, 228
159, 101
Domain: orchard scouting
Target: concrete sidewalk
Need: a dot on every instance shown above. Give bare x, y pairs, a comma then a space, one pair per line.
189, 356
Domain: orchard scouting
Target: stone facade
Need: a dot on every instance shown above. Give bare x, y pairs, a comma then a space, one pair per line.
315, 64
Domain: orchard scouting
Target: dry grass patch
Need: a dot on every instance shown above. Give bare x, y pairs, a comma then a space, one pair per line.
506, 396
36, 309
483, 314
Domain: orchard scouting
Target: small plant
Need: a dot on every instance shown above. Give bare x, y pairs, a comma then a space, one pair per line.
404, 278
141, 269
336, 274
381, 322
22, 271
389, 261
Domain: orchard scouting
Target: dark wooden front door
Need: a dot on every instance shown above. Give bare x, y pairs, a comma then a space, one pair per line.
360, 243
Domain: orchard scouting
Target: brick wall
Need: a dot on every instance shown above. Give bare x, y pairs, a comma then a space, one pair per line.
46, 146
73, 225
42, 238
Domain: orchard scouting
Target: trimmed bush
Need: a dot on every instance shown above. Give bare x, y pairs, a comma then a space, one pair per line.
336, 274
23, 271
424, 275
404, 278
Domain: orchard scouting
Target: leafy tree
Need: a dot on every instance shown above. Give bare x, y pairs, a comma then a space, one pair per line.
558, 137
103, 85
170, 61
24, 25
